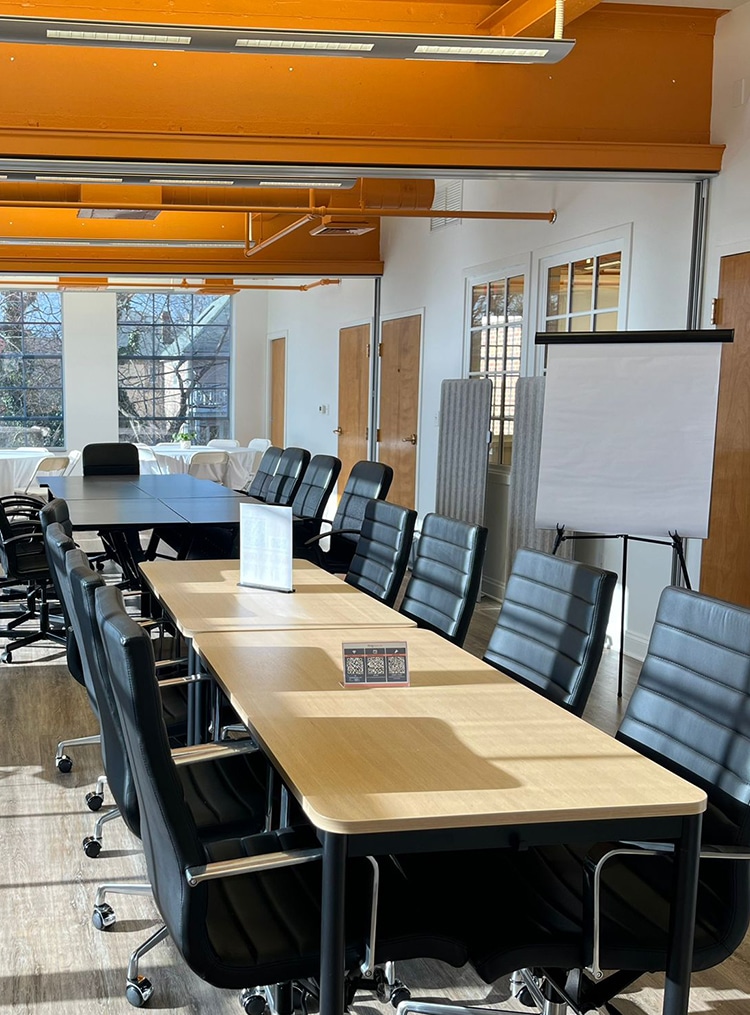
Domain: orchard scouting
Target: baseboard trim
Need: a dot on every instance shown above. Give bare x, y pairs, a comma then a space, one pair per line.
636, 646
493, 588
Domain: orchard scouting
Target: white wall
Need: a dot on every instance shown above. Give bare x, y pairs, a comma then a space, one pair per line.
90, 367
250, 365
311, 321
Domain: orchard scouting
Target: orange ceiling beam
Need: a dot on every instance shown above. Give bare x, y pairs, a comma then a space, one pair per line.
534, 18
635, 93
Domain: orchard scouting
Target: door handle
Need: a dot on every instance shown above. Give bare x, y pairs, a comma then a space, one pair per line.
411, 439
338, 430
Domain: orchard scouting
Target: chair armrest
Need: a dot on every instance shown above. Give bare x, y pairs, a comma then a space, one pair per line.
331, 532
25, 536
249, 865
593, 865
188, 678
212, 752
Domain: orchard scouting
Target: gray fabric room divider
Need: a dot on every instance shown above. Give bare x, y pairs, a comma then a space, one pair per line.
524, 473
463, 449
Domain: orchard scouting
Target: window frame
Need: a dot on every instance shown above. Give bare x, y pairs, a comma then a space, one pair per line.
25, 358
485, 275
154, 326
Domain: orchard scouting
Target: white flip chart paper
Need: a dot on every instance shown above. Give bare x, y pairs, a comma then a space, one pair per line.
266, 546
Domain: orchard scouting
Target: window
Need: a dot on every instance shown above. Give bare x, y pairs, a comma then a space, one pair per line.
495, 334
584, 295
173, 354
31, 390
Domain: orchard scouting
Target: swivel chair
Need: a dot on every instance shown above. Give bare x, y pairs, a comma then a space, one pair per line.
313, 493
382, 554
115, 459
551, 627
286, 480
444, 584
367, 481
265, 473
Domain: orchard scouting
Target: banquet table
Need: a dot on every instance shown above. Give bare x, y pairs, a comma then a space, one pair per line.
174, 458
17, 468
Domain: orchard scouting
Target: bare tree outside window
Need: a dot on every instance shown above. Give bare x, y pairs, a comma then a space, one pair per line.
174, 352
31, 390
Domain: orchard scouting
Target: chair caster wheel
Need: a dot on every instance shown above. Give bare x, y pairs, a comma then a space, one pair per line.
524, 997
398, 994
6, 657
103, 916
252, 1002
139, 991
92, 847
94, 801
64, 763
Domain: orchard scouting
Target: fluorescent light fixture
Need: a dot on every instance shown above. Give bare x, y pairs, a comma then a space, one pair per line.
304, 184
146, 40
78, 179
368, 45
332, 46
193, 183
43, 241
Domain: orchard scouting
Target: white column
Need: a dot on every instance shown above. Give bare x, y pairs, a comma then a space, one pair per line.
90, 368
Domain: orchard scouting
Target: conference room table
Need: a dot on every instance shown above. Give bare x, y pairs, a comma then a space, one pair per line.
464, 757
205, 595
115, 504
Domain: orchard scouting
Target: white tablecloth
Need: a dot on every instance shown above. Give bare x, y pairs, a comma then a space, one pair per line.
175, 458
17, 468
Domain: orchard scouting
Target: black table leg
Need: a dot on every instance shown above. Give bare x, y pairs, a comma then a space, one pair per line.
682, 919
332, 925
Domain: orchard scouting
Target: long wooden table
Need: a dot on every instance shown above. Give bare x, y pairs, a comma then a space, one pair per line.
205, 595
464, 757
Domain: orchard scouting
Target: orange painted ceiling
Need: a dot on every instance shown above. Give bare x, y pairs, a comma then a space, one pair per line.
634, 95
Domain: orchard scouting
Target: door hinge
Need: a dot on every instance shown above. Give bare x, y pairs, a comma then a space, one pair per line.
715, 310
380, 348
377, 436
368, 350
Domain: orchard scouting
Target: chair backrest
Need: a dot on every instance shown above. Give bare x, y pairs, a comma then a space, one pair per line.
83, 583
110, 459
222, 442
56, 510
316, 487
288, 476
367, 481
690, 710
208, 465
551, 628
74, 457
379, 562
444, 584
57, 543
147, 454
23, 560
259, 444
170, 838
266, 469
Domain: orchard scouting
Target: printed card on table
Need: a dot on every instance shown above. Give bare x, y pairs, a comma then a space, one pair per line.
266, 547
382, 664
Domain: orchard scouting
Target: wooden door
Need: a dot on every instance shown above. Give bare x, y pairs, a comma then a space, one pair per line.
725, 560
354, 394
399, 405
278, 392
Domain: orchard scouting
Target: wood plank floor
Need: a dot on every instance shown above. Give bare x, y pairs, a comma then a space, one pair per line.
54, 959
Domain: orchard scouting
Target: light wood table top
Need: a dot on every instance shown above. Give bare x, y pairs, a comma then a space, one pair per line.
204, 595
463, 746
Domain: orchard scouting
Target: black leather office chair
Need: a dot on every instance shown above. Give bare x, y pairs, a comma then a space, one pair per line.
367, 481
690, 713
110, 459
444, 584
24, 563
552, 624
266, 470
287, 478
382, 554
312, 495
209, 789
116, 459
250, 925
58, 539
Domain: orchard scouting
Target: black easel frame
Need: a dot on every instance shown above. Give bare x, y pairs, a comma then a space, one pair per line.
679, 571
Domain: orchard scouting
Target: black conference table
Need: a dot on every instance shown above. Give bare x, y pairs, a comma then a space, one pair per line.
118, 504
